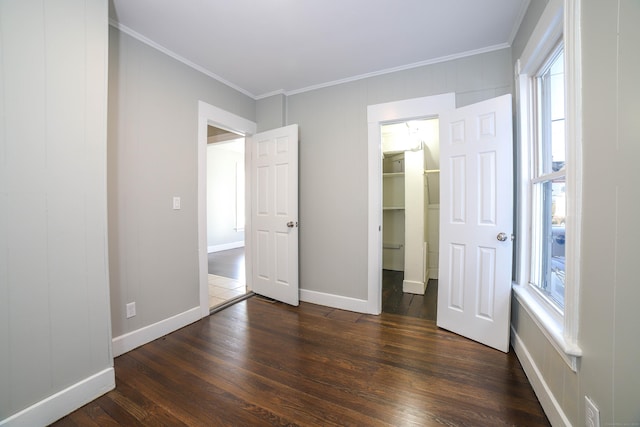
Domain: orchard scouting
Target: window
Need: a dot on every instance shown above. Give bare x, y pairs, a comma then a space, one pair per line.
548, 181
549, 195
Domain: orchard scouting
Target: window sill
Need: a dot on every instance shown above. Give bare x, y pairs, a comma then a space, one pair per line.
551, 326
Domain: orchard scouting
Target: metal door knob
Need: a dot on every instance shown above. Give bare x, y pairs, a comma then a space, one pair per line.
291, 224
502, 237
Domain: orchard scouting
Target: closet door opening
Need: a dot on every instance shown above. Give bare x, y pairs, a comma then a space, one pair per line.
410, 217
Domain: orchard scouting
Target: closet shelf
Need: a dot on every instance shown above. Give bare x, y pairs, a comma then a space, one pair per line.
392, 174
426, 171
393, 208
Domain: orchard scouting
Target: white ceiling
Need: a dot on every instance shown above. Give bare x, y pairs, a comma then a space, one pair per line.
261, 47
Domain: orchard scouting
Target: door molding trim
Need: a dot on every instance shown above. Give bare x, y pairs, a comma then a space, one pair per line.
378, 114
214, 116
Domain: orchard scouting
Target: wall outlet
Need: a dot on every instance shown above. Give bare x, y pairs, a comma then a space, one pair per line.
591, 413
131, 309
176, 203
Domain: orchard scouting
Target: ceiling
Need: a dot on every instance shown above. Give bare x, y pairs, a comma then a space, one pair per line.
262, 47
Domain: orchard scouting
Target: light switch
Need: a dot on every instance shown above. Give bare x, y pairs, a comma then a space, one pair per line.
176, 203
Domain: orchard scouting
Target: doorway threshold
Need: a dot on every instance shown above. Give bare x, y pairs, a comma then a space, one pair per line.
230, 302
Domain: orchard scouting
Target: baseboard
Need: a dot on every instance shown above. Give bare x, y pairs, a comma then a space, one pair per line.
334, 301
131, 340
549, 403
225, 246
64, 402
413, 287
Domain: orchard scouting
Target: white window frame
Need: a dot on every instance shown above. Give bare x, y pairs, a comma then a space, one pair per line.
539, 175
559, 21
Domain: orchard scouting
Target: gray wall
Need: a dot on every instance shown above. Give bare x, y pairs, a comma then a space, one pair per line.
271, 112
54, 302
609, 317
534, 11
333, 159
153, 117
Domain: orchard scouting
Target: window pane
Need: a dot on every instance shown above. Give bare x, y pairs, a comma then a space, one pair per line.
557, 145
556, 80
552, 112
551, 267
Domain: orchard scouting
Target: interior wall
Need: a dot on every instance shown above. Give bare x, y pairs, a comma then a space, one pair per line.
531, 17
607, 372
54, 302
221, 196
152, 157
333, 159
271, 112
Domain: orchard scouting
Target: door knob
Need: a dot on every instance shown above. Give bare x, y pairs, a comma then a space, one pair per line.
292, 224
502, 237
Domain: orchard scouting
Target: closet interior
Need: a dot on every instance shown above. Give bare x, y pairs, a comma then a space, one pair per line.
411, 201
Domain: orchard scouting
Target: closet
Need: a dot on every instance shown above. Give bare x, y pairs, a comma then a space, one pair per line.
410, 199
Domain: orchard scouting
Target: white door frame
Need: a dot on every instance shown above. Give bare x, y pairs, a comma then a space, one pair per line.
377, 115
214, 116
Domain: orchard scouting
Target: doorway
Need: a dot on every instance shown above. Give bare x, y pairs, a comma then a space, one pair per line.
209, 115
378, 115
410, 217
226, 279
283, 142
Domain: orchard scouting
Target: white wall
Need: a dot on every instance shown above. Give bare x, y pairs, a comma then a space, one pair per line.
608, 335
55, 337
333, 159
153, 132
221, 195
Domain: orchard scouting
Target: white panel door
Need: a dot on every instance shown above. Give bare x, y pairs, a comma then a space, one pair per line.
476, 221
274, 211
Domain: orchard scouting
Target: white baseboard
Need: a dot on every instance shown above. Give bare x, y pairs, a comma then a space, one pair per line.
413, 287
548, 401
131, 340
64, 402
334, 301
225, 246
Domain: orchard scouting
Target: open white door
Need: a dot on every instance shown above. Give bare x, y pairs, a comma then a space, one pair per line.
476, 221
274, 214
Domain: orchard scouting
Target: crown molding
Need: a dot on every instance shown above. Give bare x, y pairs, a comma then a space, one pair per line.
172, 54
401, 68
214, 76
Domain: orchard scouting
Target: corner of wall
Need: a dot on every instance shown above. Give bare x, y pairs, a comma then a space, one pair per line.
65, 401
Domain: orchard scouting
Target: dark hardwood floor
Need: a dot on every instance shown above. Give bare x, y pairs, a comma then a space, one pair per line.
395, 301
266, 363
229, 263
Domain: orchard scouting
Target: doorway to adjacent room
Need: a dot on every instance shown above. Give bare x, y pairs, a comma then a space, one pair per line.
226, 279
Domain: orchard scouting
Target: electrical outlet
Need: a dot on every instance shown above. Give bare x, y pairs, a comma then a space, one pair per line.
591, 413
131, 309
176, 203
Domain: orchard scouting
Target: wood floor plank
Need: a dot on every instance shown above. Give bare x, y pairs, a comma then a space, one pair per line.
265, 363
